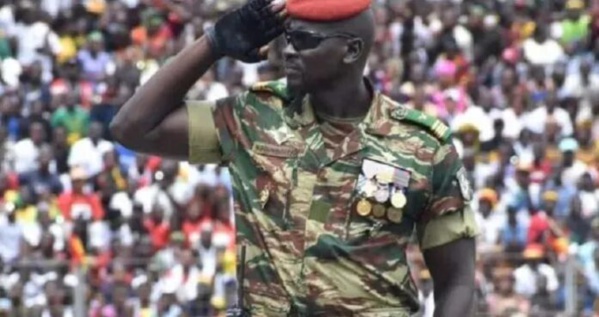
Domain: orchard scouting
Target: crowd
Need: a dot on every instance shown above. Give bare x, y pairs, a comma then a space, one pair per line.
517, 81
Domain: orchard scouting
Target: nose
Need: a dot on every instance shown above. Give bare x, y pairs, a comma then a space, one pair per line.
289, 51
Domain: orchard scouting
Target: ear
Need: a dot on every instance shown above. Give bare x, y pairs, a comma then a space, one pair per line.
355, 49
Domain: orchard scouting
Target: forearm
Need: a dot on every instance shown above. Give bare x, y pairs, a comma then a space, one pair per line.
454, 301
164, 92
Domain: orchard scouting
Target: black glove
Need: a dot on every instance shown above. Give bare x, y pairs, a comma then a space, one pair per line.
240, 34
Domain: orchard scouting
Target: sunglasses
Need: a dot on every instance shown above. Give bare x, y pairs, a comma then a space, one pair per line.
305, 40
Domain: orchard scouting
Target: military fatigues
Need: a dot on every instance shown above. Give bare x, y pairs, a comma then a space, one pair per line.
326, 231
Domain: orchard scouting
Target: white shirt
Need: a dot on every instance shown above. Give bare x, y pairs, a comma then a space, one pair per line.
32, 233
185, 289
537, 120
513, 123
208, 258
479, 118
148, 196
36, 35
571, 175
10, 241
544, 54
89, 156
25, 154
7, 20
526, 282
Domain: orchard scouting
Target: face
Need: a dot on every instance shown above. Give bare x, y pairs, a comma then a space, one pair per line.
315, 55
36, 132
95, 130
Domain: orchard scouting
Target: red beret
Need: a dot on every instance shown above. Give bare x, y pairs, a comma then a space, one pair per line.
326, 10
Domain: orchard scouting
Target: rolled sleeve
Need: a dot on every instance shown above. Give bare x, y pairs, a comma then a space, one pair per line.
214, 129
449, 216
203, 140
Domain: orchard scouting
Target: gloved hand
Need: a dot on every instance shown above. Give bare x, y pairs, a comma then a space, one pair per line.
242, 33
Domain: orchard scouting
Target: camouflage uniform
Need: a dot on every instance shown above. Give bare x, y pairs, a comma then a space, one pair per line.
309, 252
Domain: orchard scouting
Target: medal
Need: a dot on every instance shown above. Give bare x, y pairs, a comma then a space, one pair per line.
378, 211
369, 169
385, 177
369, 189
363, 208
394, 214
398, 200
401, 178
381, 195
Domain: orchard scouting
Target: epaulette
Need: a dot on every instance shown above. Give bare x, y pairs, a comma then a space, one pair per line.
435, 126
277, 88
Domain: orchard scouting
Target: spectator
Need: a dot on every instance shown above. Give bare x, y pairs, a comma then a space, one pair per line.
527, 276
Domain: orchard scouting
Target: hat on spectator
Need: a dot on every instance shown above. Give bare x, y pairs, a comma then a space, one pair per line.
503, 272
446, 68
574, 5
550, 195
326, 10
488, 194
95, 36
177, 236
568, 145
221, 240
586, 123
78, 174
523, 166
424, 274
533, 252
206, 227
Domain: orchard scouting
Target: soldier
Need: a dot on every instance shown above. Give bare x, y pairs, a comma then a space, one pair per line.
331, 177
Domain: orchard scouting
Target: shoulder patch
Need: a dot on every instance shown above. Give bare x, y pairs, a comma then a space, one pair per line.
276, 88
435, 126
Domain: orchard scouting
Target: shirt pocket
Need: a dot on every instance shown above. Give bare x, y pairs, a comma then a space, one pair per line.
276, 164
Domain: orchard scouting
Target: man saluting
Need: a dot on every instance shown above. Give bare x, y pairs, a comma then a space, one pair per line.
330, 176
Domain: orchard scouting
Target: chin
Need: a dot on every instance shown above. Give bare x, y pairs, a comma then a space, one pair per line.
294, 87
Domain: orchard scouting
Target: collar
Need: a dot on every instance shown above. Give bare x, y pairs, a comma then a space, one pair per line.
376, 121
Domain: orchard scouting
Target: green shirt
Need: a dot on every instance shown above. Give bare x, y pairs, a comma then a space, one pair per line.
76, 122
296, 201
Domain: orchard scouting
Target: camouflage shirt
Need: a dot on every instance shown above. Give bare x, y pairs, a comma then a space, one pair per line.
325, 231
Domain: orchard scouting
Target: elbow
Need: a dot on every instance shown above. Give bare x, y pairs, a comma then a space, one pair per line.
118, 131
124, 132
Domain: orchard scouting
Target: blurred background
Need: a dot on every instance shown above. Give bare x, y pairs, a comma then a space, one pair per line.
89, 228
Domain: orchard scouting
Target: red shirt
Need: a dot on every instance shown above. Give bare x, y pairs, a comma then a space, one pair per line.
159, 233
74, 205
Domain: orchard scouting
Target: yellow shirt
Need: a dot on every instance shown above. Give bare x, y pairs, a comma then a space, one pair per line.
69, 49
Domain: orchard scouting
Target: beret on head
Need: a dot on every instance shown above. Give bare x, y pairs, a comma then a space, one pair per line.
326, 10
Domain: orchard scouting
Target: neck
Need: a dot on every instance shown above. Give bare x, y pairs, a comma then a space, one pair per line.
346, 98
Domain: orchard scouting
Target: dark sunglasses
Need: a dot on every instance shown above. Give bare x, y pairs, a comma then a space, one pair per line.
305, 40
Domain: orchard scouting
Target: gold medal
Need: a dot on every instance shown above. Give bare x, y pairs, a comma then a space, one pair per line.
398, 200
363, 208
369, 189
394, 214
378, 211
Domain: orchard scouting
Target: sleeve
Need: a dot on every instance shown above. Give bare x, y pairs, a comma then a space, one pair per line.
213, 129
448, 216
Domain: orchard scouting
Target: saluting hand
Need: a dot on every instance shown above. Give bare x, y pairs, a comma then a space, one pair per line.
244, 33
